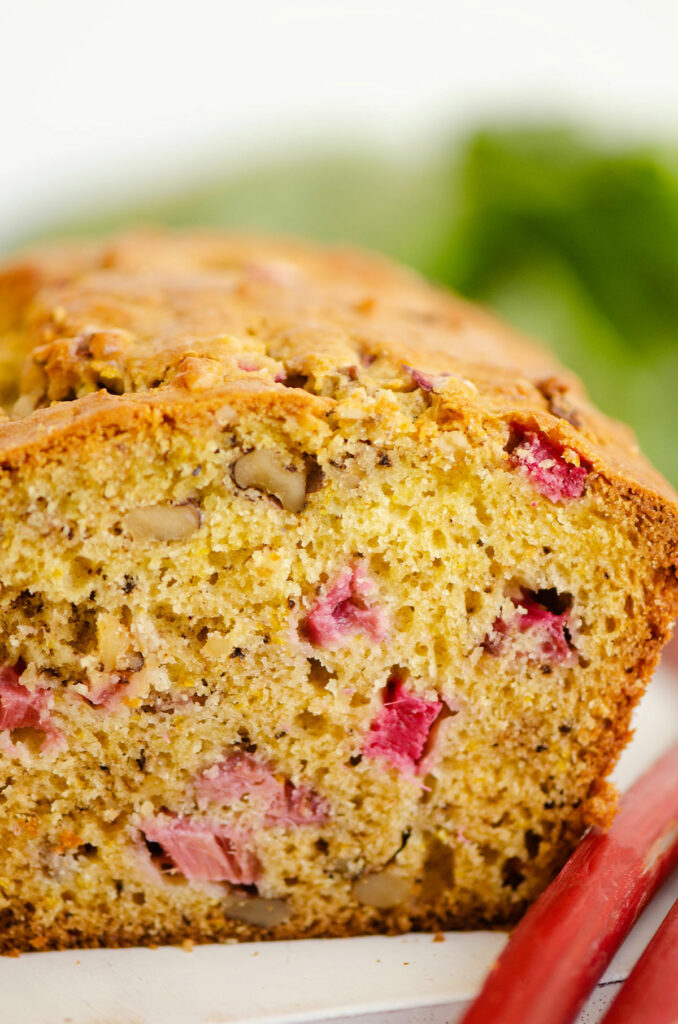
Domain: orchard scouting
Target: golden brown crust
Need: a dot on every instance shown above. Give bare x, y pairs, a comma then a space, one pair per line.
60, 936
148, 310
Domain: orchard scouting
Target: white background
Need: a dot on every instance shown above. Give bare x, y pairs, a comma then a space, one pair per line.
100, 98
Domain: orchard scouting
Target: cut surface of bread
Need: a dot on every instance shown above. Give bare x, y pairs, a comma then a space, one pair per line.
325, 599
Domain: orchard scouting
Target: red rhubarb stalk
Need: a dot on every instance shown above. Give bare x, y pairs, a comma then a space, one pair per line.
650, 996
568, 937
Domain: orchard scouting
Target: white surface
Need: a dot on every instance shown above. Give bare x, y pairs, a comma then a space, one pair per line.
285, 982
100, 99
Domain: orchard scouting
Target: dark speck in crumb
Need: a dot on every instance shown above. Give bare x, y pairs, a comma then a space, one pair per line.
384, 459
314, 475
513, 877
295, 380
237, 652
356, 759
128, 584
291, 603
245, 743
404, 837
197, 471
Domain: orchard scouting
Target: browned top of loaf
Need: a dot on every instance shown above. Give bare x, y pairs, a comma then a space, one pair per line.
160, 319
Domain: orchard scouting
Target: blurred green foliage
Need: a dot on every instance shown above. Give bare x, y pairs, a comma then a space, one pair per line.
577, 243
571, 239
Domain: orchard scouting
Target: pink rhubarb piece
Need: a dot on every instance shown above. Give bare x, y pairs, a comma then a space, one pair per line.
342, 611
546, 469
107, 692
113, 689
546, 628
426, 381
204, 851
401, 729
280, 801
21, 708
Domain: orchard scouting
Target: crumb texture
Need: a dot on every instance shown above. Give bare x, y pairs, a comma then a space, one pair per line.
326, 599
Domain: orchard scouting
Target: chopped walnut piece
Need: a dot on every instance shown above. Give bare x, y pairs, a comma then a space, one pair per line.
382, 889
264, 470
113, 641
258, 911
556, 393
162, 522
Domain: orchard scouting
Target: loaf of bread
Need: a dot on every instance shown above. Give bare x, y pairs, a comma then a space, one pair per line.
325, 598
